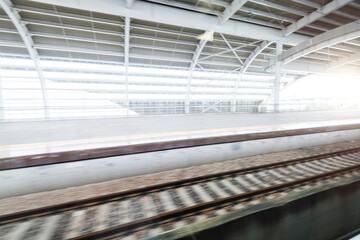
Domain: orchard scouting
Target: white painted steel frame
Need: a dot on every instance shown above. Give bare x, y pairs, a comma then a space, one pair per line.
279, 49
168, 15
194, 62
345, 60
230, 10
232, 49
24, 33
263, 45
126, 59
341, 34
312, 17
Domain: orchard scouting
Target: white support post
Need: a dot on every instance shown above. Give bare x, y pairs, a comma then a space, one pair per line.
29, 43
194, 61
126, 62
235, 91
129, 3
2, 111
279, 48
248, 61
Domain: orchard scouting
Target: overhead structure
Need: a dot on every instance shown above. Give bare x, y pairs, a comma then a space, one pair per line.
230, 10
243, 70
317, 14
161, 13
142, 57
29, 44
344, 61
335, 36
194, 62
126, 58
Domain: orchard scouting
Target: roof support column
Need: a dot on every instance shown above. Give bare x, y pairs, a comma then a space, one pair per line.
2, 110
24, 33
248, 61
279, 49
194, 62
126, 61
236, 88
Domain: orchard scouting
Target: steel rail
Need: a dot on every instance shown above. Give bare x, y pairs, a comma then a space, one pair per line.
115, 231
93, 201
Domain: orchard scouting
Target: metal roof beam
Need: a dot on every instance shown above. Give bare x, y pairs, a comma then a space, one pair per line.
232, 49
72, 27
255, 53
75, 38
230, 10
312, 17
178, 17
304, 68
15, 18
78, 50
71, 16
343, 61
280, 7
346, 15
225, 51
308, 3
327, 39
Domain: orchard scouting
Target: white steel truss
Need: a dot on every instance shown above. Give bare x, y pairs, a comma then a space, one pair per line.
343, 61
194, 62
247, 63
179, 17
341, 34
308, 3
264, 102
312, 17
230, 10
29, 43
232, 49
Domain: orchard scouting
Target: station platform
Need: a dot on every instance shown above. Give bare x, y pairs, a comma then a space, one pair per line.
40, 137
49, 155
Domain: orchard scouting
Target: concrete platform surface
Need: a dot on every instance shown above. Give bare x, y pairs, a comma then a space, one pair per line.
23, 138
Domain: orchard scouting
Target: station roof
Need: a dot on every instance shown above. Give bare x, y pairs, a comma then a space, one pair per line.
166, 32
211, 36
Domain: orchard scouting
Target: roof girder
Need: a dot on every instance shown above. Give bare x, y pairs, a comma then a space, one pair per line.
340, 34
178, 17
345, 60
230, 10
328, 8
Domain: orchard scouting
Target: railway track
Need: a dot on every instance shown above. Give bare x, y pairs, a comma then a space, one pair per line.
148, 211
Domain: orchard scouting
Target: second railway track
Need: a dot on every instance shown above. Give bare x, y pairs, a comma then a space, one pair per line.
147, 211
